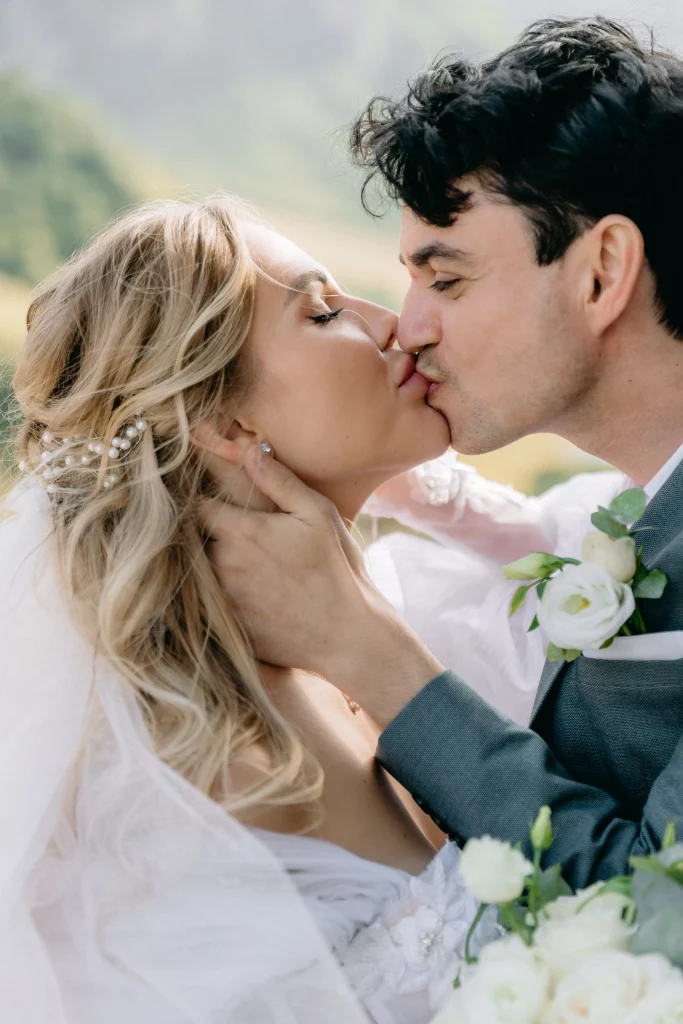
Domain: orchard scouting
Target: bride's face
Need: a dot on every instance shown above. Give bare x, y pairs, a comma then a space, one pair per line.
340, 404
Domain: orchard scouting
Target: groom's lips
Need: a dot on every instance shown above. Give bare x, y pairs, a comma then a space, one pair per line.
433, 382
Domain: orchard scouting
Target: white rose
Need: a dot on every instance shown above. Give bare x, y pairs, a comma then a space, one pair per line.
508, 986
583, 606
617, 988
617, 556
578, 927
493, 871
665, 1006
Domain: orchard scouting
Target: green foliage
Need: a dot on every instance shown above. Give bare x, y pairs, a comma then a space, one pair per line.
651, 586
604, 521
629, 506
60, 182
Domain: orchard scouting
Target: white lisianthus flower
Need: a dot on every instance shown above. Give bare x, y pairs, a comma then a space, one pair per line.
618, 988
578, 927
493, 871
618, 556
583, 606
509, 985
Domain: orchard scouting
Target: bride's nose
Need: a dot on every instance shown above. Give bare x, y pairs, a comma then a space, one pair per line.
387, 329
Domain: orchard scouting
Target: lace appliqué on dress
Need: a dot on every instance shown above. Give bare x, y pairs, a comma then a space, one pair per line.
417, 944
448, 481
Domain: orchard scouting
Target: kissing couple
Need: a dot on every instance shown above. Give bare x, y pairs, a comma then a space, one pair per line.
236, 779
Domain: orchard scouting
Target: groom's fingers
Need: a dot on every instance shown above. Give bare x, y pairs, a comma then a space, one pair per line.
279, 484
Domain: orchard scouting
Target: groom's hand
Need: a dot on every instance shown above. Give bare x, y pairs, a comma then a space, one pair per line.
300, 585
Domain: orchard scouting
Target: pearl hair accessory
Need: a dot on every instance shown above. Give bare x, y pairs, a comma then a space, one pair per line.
83, 455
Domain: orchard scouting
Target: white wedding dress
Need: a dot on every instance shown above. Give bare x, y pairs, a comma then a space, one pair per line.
450, 588
126, 895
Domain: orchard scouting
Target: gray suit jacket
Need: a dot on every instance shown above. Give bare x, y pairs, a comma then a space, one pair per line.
604, 749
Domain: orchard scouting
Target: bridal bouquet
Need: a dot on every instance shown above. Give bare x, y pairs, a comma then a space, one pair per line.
584, 605
609, 954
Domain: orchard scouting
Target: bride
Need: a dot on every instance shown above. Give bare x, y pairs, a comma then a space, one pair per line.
182, 823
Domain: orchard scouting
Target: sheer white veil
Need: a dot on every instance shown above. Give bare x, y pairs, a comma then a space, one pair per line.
126, 896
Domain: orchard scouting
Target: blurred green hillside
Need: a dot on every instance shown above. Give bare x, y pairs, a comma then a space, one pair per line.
244, 96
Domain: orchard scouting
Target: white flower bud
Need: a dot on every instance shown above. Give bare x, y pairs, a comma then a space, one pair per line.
493, 871
617, 556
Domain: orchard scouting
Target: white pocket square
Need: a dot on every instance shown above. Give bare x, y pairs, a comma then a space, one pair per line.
666, 646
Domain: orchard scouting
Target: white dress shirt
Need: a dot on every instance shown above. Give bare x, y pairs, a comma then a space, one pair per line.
662, 475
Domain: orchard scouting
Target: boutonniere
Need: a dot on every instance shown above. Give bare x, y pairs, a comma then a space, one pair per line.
584, 605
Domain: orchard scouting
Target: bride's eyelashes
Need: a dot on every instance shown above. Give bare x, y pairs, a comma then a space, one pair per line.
326, 318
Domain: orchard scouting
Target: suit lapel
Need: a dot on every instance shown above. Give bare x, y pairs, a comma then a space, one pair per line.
661, 521
551, 671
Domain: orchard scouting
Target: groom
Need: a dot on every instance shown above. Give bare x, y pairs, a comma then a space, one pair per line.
542, 230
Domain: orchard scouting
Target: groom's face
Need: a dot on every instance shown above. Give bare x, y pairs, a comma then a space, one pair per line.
501, 337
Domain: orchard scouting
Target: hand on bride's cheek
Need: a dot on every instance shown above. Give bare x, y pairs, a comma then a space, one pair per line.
326, 380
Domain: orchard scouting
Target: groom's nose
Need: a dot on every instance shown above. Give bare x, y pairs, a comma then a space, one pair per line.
419, 324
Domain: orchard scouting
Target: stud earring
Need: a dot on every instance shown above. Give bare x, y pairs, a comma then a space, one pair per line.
266, 448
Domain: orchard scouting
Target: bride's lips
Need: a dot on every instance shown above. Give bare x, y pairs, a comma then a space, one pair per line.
415, 382
411, 380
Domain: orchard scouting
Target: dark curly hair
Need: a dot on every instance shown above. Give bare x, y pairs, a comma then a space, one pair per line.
577, 120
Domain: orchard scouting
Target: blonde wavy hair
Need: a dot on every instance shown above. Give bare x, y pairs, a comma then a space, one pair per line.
151, 318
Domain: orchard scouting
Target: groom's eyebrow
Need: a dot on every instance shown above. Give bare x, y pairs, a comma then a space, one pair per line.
301, 283
436, 250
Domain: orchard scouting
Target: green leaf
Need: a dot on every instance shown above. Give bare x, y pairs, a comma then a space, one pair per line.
518, 598
551, 884
534, 624
651, 586
607, 643
540, 588
604, 520
572, 655
661, 933
554, 653
629, 506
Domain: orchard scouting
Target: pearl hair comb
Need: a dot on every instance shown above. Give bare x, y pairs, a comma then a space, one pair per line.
61, 456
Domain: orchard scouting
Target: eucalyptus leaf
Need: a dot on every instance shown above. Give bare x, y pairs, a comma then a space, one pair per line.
662, 933
650, 586
629, 506
654, 893
604, 521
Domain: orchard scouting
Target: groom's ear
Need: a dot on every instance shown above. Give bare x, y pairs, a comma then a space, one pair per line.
615, 255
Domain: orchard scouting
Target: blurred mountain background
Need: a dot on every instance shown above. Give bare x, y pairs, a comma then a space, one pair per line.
102, 105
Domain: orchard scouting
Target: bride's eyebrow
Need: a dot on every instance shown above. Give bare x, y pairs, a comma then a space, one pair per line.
301, 283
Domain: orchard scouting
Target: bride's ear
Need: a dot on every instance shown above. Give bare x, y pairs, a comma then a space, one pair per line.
228, 440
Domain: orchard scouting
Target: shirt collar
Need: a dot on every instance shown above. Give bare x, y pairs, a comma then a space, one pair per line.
660, 478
